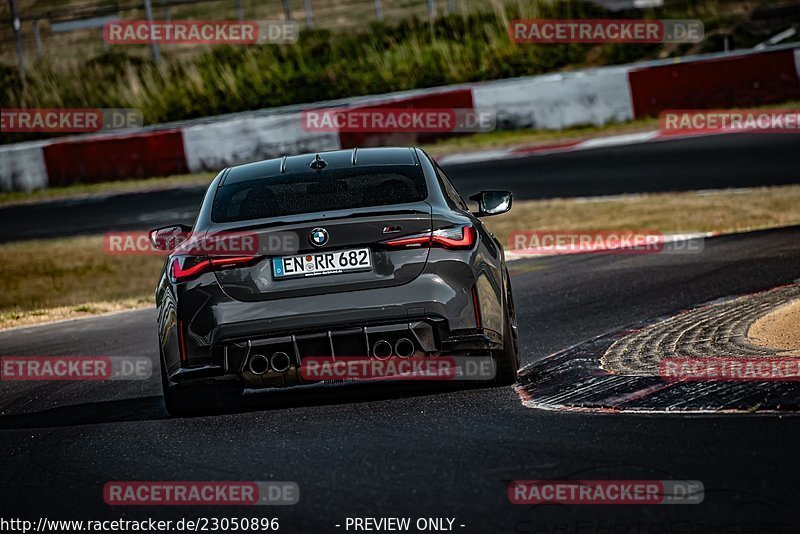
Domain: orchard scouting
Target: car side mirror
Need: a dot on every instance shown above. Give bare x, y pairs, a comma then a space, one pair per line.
168, 238
492, 202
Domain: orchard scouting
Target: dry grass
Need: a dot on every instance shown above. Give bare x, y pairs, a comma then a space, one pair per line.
71, 277
48, 278
724, 211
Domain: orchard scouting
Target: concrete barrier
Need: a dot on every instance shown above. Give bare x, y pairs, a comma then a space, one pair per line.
552, 101
558, 101
22, 167
214, 146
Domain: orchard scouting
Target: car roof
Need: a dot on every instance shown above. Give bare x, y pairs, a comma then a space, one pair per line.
333, 160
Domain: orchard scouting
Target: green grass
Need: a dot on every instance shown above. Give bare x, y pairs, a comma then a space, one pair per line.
321, 66
324, 64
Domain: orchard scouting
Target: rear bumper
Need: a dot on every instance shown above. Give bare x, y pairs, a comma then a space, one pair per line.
220, 335
459, 294
429, 295
234, 360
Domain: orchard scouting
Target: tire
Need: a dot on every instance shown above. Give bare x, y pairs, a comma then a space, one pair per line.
190, 400
507, 360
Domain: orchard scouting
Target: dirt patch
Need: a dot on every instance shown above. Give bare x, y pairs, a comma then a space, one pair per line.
779, 330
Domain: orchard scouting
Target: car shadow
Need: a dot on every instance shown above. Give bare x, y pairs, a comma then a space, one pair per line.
152, 408
88, 413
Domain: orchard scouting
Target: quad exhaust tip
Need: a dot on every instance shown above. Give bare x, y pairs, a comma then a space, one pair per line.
280, 362
382, 349
404, 347
258, 364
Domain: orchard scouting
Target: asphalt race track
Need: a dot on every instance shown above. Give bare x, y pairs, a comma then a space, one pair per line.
410, 451
413, 450
721, 161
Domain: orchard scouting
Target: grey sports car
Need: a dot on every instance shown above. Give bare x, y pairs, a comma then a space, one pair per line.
367, 252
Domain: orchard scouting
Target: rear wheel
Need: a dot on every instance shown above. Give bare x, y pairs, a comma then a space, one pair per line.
507, 360
189, 400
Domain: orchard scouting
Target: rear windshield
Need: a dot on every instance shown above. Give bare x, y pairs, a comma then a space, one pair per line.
331, 190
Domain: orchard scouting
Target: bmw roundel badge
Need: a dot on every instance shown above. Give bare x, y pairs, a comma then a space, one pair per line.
318, 237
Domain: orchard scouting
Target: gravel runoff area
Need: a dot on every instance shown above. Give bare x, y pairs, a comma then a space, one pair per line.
779, 329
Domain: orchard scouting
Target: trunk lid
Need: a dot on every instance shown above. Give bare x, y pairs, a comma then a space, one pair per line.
337, 243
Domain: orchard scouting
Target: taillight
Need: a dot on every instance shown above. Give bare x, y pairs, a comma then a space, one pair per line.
460, 237
455, 238
187, 267
409, 242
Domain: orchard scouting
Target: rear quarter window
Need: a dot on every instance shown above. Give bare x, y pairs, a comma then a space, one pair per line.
452, 196
327, 191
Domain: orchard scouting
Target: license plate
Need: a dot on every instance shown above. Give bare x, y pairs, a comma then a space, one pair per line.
320, 263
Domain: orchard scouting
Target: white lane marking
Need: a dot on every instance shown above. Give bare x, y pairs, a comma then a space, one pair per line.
618, 140
473, 157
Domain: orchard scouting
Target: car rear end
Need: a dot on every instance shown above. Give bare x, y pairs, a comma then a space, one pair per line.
357, 258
